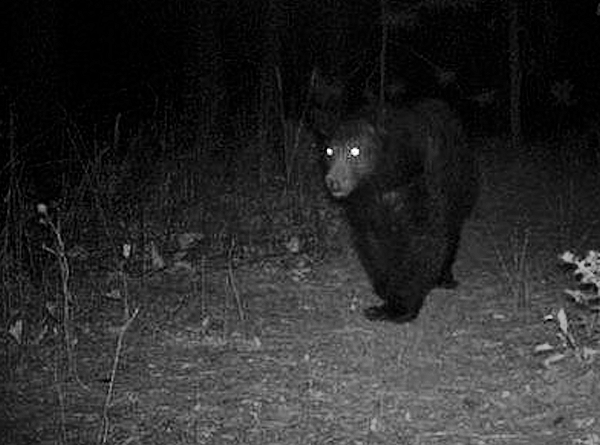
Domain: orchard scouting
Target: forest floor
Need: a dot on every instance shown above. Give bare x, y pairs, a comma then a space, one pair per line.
278, 352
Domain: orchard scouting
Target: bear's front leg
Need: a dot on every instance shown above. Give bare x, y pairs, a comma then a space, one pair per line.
403, 289
392, 313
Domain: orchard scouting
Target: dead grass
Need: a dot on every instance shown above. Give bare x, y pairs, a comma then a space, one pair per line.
262, 341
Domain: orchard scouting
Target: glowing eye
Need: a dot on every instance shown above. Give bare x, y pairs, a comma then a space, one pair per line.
329, 151
354, 152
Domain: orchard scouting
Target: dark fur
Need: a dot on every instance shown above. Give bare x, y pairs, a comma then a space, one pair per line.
406, 198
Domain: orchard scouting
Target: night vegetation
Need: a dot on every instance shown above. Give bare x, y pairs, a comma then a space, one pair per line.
160, 181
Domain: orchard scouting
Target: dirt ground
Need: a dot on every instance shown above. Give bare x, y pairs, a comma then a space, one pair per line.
279, 353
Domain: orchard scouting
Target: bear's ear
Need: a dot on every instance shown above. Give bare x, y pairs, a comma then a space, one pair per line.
382, 119
319, 137
375, 130
371, 129
380, 129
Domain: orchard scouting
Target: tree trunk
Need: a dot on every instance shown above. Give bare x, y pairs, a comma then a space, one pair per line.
382, 60
33, 69
202, 91
271, 129
514, 55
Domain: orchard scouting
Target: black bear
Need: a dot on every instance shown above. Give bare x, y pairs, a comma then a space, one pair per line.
407, 183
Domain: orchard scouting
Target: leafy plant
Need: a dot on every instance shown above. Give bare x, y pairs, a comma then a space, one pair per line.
587, 296
587, 271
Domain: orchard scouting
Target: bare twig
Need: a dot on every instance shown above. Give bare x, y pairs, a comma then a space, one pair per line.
105, 422
61, 402
60, 253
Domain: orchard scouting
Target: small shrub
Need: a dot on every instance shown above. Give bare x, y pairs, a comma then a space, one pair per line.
587, 293
587, 272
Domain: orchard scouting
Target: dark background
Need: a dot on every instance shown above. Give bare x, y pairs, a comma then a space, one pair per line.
219, 68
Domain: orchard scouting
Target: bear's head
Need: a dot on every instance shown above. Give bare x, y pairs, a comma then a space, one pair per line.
351, 157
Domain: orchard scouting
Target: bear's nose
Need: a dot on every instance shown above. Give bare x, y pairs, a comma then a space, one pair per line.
334, 185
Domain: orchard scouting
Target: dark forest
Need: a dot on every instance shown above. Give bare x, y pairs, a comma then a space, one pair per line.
175, 269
